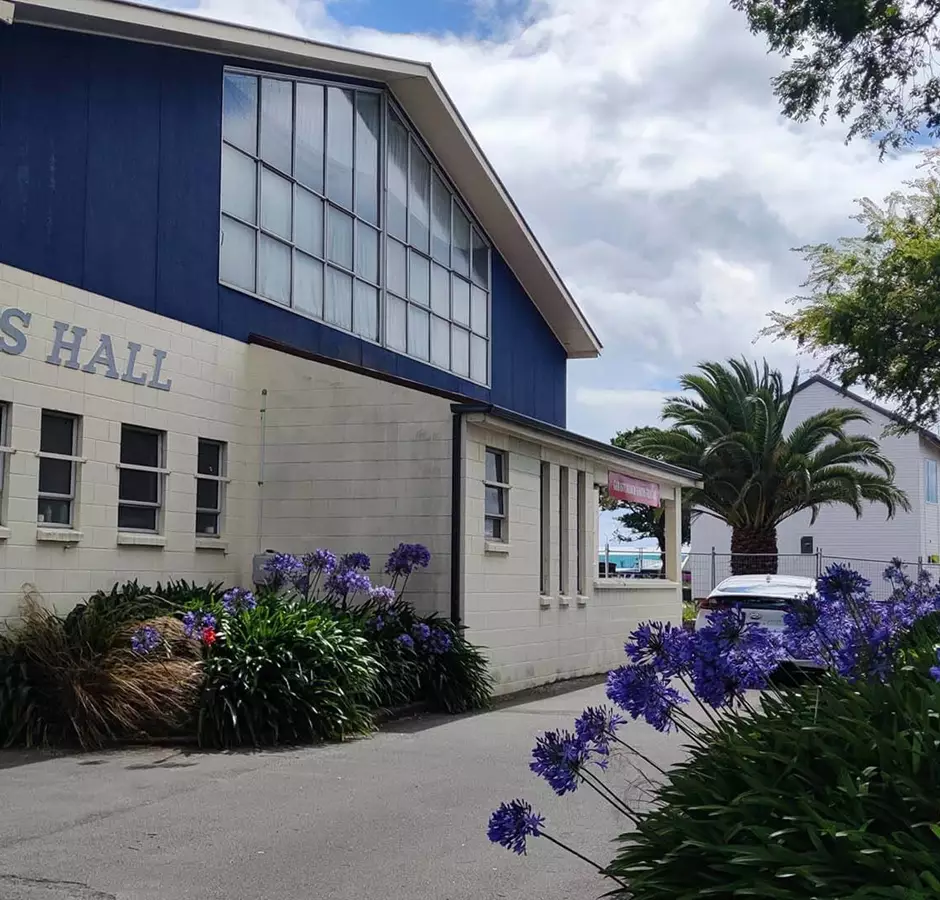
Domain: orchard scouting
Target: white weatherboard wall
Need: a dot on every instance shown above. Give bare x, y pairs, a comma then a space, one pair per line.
531, 638
837, 531
352, 463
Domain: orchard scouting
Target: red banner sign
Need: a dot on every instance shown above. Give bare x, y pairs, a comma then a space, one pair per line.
632, 490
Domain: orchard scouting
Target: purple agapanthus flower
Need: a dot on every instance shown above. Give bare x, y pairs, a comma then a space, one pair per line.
238, 600
405, 558
642, 692
319, 561
558, 757
935, 670
440, 641
731, 655
344, 582
421, 631
382, 594
145, 639
196, 624
282, 569
406, 640
596, 727
356, 561
512, 823
666, 648
844, 627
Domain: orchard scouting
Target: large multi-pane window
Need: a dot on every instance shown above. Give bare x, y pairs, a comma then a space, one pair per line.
305, 169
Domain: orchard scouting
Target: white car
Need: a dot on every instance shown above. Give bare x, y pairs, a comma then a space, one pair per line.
764, 599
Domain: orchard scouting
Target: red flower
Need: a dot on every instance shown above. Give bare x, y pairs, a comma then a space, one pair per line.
208, 636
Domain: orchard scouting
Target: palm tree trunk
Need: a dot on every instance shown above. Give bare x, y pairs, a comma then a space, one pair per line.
754, 552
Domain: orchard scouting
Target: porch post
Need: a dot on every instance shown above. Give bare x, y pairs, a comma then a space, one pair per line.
673, 512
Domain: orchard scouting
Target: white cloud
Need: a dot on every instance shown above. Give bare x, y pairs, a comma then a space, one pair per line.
643, 144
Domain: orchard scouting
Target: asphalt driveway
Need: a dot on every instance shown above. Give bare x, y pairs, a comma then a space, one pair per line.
400, 816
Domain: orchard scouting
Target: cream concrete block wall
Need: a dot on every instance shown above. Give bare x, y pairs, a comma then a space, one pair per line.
211, 398
533, 638
353, 463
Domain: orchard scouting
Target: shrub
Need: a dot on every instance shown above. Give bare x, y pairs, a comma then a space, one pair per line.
420, 658
79, 682
828, 790
278, 673
424, 658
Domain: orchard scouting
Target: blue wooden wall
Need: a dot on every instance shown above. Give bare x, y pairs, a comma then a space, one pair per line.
109, 181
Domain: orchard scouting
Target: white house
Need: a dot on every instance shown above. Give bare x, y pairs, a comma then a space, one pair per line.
837, 534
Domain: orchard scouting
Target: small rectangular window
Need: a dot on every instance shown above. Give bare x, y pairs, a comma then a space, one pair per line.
545, 536
930, 477
496, 487
582, 536
210, 485
5, 451
140, 492
563, 510
58, 451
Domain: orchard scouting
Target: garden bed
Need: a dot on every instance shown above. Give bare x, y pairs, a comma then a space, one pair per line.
320, 652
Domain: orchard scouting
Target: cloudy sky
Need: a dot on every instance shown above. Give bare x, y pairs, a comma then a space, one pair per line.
644, 146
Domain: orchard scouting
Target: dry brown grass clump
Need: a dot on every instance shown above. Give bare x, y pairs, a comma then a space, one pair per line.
75, 681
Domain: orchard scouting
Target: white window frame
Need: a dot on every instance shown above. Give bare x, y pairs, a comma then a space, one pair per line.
545, 529
930, 466
161, 473
388, 108
564, 531
503, 487
581, 526
75, 461
6, 451
221, 479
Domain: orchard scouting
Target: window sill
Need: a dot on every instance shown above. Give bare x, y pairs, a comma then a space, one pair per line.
210, 544
58, 535
545, 602
4, 533
635, 584
132, 539
496, 547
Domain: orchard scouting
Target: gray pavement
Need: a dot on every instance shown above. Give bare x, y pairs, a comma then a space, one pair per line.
399, 816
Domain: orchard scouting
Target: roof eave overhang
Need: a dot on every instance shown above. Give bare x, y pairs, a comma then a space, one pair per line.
414, 84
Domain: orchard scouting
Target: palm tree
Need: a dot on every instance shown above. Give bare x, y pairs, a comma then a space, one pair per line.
731, 428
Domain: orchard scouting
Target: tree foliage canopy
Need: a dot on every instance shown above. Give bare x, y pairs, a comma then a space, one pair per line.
869, 61
731, 426
873, 308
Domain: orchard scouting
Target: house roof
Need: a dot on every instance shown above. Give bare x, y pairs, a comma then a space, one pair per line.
686, 477
416, 87
928, 436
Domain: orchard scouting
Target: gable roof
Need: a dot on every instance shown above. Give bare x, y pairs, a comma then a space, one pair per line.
416, 87
928, 436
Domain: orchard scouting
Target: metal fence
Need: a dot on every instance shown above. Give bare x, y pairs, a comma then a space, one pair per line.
708, 570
